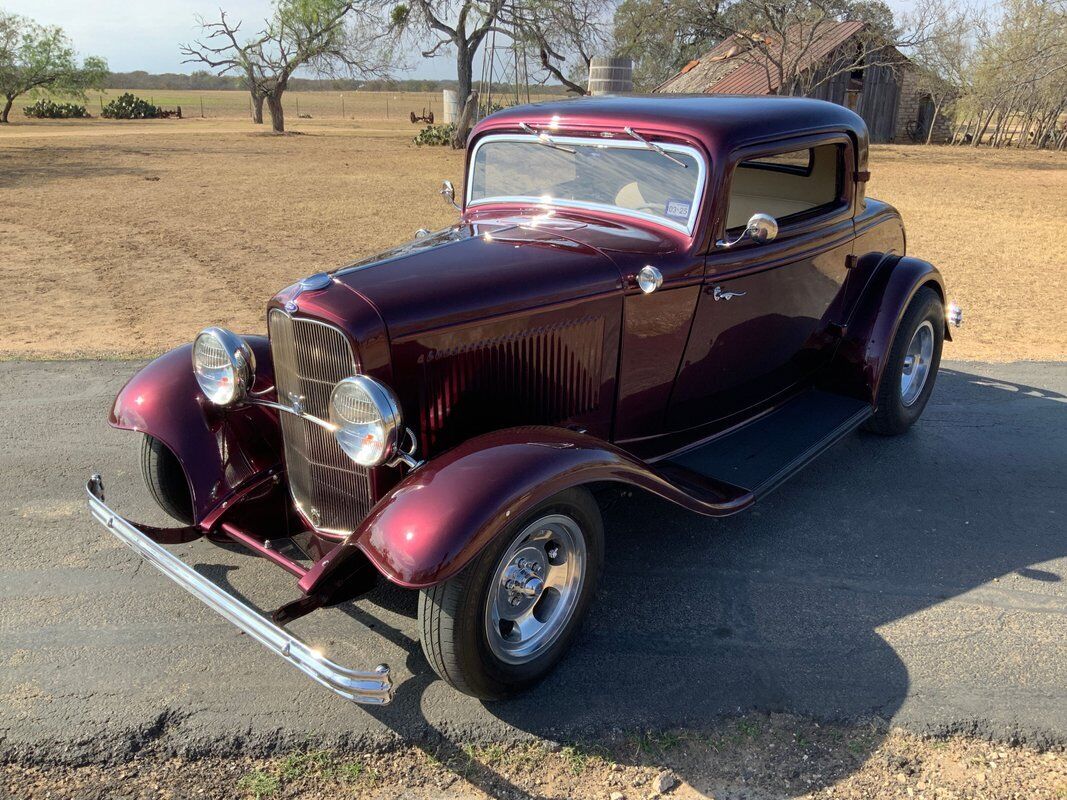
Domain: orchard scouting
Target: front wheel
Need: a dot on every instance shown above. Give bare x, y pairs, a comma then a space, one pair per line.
910, 372
503, 622
165, 479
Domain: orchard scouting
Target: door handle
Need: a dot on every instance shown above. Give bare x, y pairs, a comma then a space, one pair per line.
719, 294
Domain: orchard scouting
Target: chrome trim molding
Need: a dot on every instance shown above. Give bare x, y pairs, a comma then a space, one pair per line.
629, 144
322, 423
373, 687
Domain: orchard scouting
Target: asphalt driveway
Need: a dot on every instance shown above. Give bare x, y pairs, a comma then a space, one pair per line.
917, 579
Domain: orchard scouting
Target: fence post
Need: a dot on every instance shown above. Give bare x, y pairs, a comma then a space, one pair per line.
297, 107
342, 106
201, 106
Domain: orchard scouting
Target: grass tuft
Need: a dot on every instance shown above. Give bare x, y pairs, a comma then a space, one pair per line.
259, 784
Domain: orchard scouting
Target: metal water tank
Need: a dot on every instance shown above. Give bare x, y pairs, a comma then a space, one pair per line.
450, 106
611, 75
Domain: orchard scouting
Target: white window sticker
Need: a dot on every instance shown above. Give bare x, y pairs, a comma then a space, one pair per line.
677, 209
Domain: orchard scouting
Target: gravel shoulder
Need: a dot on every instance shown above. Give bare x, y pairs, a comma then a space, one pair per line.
755, 757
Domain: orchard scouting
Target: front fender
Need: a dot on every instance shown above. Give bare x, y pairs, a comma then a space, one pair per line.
442, 514
892, 283
219, 449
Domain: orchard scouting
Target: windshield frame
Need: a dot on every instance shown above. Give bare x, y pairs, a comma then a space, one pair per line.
688, 228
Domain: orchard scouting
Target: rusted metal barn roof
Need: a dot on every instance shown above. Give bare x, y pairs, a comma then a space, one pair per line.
734, 66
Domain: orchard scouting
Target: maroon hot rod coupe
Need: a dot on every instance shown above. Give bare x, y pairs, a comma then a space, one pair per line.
688, 295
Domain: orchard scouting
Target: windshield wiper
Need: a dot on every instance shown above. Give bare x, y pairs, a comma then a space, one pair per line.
544, 138
654, 146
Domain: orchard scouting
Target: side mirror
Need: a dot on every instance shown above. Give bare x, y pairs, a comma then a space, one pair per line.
761, 228
448, 191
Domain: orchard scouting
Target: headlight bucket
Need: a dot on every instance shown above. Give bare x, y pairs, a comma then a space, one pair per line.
368, 421
224, 365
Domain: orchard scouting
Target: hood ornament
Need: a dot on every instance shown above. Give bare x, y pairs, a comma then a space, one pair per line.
312, 283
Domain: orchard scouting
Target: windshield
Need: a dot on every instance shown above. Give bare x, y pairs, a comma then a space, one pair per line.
621, 176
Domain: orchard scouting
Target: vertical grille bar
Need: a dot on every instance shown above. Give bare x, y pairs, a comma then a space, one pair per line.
310, 357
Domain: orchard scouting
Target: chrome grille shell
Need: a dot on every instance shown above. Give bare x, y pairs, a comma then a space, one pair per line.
310, 357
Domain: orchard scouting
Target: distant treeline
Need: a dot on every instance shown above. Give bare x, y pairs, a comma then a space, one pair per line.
140, 79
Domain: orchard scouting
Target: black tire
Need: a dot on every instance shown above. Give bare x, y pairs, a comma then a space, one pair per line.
893, 415
165, 479
452, 615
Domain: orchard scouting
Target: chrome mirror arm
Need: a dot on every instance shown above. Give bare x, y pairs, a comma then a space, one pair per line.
723, 243
760, 228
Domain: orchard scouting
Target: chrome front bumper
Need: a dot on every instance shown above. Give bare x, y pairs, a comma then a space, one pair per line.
372, 687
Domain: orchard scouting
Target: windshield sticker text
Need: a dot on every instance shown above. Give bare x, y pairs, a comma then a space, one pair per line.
677, 209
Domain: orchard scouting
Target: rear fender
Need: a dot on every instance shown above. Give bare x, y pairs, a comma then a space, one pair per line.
892, 283
220, 450
442, 514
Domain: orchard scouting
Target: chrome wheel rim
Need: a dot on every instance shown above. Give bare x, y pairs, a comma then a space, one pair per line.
917, 362
535, 589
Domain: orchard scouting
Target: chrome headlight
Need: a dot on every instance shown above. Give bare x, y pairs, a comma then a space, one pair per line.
223, 364
367, 417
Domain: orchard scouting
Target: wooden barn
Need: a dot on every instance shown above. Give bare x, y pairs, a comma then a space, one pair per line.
878, 83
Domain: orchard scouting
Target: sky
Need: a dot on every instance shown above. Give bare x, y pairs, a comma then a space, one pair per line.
145, 34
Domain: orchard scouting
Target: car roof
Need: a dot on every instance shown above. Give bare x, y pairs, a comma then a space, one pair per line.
720, 123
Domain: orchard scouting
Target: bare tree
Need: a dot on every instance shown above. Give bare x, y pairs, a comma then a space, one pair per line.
220, 48
661, 36
788, 39
1017, 87
327, 36
565, 35
944, 60
458, 24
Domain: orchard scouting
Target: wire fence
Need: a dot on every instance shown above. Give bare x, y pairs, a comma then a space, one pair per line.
231, 104
221, 104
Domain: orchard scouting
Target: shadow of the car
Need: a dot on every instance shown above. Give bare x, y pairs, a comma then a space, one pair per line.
778, 609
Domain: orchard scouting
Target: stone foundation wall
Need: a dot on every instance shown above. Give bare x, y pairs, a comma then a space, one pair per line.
908, 110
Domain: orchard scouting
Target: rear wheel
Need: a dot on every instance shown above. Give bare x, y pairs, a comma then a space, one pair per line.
165, 479
503, 622
910, 372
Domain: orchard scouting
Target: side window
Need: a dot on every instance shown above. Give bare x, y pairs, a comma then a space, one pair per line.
792, 185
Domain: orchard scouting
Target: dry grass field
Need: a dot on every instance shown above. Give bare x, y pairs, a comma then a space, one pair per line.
125, 238
225, 104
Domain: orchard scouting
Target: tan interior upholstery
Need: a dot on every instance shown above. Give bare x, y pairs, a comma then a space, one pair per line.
780, 193
743, 206
630, 196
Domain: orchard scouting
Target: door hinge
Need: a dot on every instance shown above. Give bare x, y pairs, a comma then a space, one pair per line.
863, 176
851, 260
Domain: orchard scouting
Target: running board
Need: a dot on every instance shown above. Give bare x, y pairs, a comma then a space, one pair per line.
762, 454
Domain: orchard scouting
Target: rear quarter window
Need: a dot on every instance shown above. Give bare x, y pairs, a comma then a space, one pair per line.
790, 185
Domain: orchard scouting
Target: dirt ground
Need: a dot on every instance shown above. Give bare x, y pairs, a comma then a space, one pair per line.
126, 238
756, 757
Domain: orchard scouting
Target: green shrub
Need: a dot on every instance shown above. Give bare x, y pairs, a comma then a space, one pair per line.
46, 109
440, 135
129, 107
